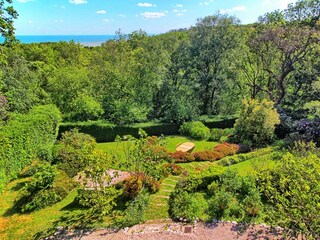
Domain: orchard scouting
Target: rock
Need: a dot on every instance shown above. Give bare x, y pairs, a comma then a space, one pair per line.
214, 220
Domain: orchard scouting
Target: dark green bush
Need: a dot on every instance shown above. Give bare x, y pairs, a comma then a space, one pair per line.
195, 130
220, 135
215, 134
46, 187
188, 206
25, 138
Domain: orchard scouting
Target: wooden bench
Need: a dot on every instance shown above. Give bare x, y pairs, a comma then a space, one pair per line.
185, 147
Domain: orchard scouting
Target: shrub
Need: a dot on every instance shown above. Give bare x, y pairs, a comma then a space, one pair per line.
171, 168
100, 199
46, 187
135, 183
207, 156
187, 205
196, 130
215, 134
220, 135
181, 157
74, 151
135, 212
256, 123
159, 153
227, 149
293, 191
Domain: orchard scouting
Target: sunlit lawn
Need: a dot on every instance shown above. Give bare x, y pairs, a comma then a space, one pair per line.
170, 142
14, 225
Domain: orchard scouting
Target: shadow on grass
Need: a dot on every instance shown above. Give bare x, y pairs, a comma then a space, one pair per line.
18, 186
16, 207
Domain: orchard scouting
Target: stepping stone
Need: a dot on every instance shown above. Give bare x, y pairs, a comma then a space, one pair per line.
188, 229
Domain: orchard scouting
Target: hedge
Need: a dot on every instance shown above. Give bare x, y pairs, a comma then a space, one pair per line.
26, 137
225, 123
107, 132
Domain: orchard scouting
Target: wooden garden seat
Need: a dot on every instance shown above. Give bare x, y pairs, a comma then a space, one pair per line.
185, 147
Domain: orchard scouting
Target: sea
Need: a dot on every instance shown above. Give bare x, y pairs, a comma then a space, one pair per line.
85, 40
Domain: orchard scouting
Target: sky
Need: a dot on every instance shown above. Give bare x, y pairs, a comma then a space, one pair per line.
105, 17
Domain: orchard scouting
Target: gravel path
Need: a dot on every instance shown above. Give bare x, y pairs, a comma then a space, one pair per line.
175, 231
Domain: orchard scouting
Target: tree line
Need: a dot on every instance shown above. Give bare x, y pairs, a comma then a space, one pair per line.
206, 69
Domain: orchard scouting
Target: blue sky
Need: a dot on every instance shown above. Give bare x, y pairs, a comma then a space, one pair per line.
99, 17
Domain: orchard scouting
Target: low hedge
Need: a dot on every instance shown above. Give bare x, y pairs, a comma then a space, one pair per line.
230, 160
107, 132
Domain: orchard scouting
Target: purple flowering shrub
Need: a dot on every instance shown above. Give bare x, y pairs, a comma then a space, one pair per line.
305, 130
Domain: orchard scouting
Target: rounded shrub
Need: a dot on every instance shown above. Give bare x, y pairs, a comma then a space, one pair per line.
195, 130
256, 123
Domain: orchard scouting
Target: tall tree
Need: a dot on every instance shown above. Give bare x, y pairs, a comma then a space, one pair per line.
7, 16
212, 40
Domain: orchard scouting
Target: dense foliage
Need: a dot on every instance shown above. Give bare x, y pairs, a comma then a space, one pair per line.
293, 191
256, 123
26, 137
46, 187
74, 152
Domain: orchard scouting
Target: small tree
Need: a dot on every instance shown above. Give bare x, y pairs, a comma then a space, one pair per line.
256, 123
101, 199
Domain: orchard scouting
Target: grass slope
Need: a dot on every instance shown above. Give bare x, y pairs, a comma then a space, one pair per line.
14, 225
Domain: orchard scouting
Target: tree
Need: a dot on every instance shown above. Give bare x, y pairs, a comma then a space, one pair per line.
7, 15
212, 40
285, 44
281, 49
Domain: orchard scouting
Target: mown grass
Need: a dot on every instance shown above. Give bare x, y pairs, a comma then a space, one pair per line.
170, 142
255, 165
173, 141
15, 225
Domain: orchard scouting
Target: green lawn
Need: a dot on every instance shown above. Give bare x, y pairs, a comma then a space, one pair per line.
14, 225
171, 142
254, 165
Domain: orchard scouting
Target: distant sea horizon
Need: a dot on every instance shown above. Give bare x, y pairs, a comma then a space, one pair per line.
86, 40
